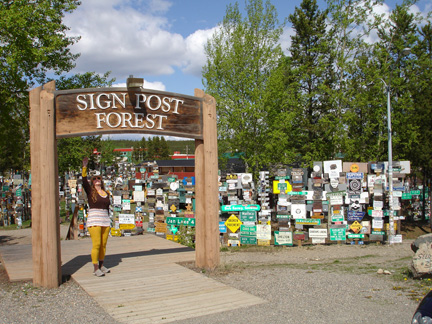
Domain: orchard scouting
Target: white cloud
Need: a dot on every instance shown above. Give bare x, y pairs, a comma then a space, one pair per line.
285, 39
195, 59
133, 37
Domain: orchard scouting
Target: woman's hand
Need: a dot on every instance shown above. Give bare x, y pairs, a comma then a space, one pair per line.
85, 162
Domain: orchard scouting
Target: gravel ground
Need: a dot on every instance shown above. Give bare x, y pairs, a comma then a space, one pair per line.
309, 284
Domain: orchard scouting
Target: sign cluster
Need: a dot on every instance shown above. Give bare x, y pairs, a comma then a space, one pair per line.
334, 201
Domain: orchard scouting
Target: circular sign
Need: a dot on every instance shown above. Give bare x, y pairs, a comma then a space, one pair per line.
355, 185
354, 168
316, 168
174, 186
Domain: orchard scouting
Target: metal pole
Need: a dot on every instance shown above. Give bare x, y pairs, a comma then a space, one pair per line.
390, 164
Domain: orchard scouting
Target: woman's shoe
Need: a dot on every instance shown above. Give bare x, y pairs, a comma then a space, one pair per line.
99, 273
105, 269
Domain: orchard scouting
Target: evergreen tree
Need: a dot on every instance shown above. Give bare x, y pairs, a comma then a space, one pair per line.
312, 81
164, 151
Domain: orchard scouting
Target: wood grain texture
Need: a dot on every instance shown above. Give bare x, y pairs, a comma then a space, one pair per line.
146, 285
116, 110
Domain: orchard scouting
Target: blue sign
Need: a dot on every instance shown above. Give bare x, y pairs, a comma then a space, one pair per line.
354, 215
222, 227
138, 209
192, 181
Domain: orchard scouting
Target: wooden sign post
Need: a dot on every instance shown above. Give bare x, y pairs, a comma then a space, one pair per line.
45, 190
83, 112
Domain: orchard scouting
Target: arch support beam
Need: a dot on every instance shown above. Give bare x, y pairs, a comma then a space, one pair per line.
207, 244
45, 205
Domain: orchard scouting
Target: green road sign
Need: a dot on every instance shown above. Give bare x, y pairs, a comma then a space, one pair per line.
248, 216
308, 221
338, 234
248, 240
228, 208
356, 236
283, 238
248, 230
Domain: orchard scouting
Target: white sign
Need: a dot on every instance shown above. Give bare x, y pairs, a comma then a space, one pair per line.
333, 168
336, 200
126, 204
298, 211
318, 233
138, 195
377, 213
126, 219
263, 232
117, 200
318, 240
377, 223
284, 238
395, 238
378, 204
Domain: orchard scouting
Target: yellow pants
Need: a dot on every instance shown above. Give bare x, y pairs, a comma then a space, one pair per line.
99, 236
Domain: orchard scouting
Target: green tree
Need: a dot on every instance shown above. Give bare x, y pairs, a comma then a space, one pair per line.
71, 151
396, 71
152, 148
311, 83
139, 153
351, 22
33, 42
164, 151
241, 56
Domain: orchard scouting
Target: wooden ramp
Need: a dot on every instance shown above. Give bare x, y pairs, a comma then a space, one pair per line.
145, 284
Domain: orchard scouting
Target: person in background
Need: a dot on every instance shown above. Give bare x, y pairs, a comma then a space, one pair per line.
98, 220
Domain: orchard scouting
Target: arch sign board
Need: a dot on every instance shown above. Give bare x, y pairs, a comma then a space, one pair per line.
82, 112
119, 110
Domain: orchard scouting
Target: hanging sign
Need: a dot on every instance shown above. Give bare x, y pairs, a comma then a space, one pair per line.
120, 110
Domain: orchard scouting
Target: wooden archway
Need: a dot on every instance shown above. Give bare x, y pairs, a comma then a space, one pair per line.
56, 114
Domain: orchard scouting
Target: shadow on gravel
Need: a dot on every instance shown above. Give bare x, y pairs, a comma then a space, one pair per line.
113, 260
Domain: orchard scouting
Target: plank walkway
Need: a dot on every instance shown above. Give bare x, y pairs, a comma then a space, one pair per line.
146, 285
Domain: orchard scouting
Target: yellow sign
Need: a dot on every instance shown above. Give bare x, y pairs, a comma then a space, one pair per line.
276, 189
126, 226
172, 237
173, 208
115, 232
356, 227
161, 227
387, 227
233, 223
354, 168
263, 242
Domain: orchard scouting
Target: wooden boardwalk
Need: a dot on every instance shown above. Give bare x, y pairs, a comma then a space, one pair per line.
146, 285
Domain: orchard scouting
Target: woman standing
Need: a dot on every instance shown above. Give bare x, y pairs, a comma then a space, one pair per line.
98, 220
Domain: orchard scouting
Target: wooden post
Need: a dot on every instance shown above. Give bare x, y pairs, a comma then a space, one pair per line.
45, 211
206, 185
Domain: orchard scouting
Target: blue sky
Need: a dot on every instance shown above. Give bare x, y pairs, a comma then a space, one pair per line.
161, 41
